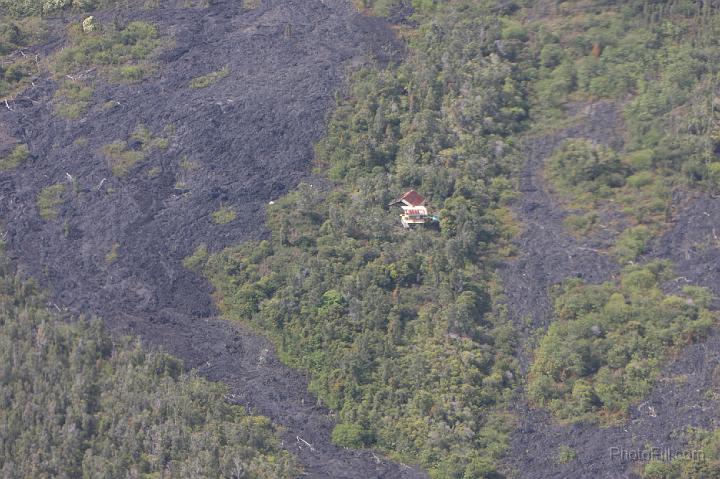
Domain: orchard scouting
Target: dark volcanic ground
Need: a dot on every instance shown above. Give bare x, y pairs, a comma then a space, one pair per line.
250, 137
549, 255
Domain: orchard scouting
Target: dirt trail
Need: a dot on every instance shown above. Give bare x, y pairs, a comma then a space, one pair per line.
249, 138
550, 255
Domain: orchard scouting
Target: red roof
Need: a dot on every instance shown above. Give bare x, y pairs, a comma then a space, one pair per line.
411, 198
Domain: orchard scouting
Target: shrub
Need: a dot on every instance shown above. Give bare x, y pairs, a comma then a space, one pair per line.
17, 71
209, 79
700, 460
122, 52
565, 454
701, 296
514, 30
553, 90
72, 99
713, 175
641, 179
349, 435
632, 243
581, 224
640, 159
49, 199
86, 5
114, 253
223, 216
130, 73
580, 165
197, 260
660, 470
188, 165
51, 6
16, 75
122, 159
551, 55
10, 37
15, 158
251, 4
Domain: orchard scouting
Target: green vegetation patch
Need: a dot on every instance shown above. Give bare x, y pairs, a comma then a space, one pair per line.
16, 74
606, 346
72, 99
120, 51
101, 409
582, 224
123, 159
701, 459
376, 7
197, 260
15, 158
209, 79
49, 200
659, 61
565, 454
188, 165
29, 8
579, 166
18, 68
114, 253
131, 73
632, 243
251, 4
591, 178
224, 215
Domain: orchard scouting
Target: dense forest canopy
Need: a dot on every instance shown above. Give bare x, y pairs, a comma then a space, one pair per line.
75, 403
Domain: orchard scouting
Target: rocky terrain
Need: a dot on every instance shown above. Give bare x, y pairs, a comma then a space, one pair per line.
246, 141
117, 247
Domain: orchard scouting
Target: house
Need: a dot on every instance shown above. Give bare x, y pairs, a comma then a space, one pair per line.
411, 198
414, 209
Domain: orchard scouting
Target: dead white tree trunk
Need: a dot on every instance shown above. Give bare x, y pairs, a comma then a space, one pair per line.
303, 441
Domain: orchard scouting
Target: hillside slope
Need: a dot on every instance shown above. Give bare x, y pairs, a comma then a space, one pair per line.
591, 121
155, 170
114, 241
76, 403
238, 143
